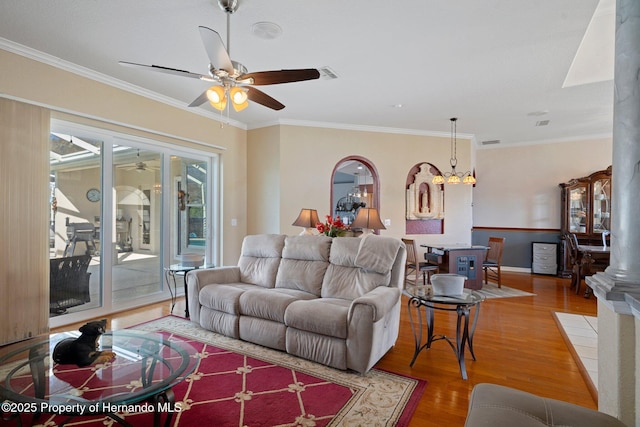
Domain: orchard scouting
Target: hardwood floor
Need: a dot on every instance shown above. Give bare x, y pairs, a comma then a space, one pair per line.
517, 344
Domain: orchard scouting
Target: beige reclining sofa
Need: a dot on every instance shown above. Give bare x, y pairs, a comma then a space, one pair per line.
335, 301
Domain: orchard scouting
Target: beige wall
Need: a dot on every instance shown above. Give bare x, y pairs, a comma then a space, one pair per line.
263, 172
307, 156
85, 101
518, 186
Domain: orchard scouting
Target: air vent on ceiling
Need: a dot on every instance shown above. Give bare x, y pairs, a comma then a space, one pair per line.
327, 73
490, 142
542, 122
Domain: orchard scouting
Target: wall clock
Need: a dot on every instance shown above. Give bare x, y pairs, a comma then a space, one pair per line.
93, 195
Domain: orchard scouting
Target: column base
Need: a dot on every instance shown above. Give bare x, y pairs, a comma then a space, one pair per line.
623, 297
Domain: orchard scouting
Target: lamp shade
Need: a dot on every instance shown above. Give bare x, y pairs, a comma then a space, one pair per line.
308, 219
368, 219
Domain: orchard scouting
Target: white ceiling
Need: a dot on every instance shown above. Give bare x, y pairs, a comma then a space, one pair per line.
497, 65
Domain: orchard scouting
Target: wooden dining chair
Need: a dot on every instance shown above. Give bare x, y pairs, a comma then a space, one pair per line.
585, 265
574, 260
493, 261
414, 268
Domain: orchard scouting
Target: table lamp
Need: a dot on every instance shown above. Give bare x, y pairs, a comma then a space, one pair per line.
308, 219
368, 220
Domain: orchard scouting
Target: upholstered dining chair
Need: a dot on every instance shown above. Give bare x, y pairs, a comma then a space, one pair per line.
414, 268
493, 261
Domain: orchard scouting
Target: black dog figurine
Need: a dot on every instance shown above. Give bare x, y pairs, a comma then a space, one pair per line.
83, 351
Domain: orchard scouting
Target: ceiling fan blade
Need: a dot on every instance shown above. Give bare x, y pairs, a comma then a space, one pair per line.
167, 70
262, 98
215, 49
199, 100
280, 76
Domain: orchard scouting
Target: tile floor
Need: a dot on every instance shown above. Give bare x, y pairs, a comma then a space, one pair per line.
582, 332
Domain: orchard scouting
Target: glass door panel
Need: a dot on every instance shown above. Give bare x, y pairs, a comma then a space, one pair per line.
136, 223
196, 178
189, 214
578, 207
601, 205
75, 240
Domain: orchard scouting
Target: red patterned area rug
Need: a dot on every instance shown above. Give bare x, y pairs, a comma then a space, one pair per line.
244, 385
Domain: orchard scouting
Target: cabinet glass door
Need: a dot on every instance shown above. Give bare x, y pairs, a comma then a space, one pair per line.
578, 209
601, 205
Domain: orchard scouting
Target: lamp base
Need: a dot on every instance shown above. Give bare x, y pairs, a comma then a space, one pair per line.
366, 232
308, 231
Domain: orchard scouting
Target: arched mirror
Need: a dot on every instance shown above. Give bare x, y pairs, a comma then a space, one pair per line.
354, 184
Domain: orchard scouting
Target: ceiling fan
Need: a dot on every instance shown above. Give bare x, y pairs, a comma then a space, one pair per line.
233, 81
140, 166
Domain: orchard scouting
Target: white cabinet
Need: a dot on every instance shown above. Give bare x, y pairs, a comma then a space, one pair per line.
545, 258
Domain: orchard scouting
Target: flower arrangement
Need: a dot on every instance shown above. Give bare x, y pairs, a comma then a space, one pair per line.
332, 227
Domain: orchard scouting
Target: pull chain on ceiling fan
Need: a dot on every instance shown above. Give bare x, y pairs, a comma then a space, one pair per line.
233, 81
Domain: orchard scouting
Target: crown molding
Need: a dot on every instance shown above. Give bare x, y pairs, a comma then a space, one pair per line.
547, 141
361, 128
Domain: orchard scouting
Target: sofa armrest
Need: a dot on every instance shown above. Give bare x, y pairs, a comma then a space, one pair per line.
199, 278
379, 300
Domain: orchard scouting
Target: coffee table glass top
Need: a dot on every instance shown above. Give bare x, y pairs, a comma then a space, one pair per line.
146, 364
424, 293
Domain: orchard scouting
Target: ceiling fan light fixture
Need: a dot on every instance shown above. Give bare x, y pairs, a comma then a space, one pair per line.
238, 96
217, 98
240, 107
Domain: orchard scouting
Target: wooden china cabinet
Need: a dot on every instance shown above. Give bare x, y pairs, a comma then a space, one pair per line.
586, 212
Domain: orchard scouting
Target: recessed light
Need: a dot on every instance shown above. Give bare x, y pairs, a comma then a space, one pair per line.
397, 105
266, 30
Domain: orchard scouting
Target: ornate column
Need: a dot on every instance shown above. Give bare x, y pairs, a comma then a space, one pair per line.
618, 288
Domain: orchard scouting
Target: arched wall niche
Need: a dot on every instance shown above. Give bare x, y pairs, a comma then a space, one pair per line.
346, 176
424, 201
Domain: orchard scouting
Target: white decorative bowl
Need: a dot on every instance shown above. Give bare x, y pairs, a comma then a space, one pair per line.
191, 260
447, 284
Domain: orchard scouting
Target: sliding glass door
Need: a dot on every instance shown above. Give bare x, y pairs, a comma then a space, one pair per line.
127, 208
136, 260
189, 223
75, 242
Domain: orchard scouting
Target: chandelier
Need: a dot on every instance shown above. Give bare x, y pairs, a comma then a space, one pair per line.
454, 177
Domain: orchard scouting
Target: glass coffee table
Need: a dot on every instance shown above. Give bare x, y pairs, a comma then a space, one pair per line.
139, 379
420, 296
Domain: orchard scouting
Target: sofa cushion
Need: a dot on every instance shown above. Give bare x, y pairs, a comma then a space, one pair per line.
343, 278
344, 251
350, 283
304, 263
325, 316
377, 253
270, 304
224, 298
260, 259
496, 405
